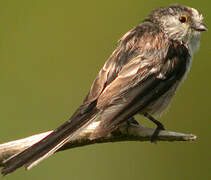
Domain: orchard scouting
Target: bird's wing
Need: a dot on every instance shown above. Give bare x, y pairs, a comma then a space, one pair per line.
129, 47
141, 81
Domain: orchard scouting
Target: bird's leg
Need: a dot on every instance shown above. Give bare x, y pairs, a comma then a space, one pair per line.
159, 126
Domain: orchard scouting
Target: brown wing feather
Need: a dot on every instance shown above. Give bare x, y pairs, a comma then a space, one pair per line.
158, 66
132, 44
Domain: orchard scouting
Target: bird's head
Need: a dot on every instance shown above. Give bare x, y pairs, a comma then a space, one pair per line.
179, 23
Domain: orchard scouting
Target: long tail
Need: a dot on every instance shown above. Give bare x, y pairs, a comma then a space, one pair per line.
50, 144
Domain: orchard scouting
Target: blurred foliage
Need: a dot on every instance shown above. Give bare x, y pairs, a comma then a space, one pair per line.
51, 51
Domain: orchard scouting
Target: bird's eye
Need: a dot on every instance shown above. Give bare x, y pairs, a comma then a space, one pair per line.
183, 18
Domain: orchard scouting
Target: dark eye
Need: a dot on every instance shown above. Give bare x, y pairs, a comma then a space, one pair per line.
183, 19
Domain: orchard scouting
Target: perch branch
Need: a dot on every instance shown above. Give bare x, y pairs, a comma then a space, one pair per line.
131, 132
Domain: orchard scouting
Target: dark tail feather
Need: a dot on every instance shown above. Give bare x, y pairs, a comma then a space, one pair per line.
54, 141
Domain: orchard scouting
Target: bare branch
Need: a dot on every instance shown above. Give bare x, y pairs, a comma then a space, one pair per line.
131, 132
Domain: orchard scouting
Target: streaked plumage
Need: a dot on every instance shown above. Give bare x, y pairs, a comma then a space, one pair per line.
141, 75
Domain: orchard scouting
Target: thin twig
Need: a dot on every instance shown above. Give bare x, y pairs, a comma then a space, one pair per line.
131, 132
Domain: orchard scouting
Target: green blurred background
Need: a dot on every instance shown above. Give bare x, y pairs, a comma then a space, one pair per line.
51, 51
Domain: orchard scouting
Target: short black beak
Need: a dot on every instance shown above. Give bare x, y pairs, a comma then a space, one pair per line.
200, 27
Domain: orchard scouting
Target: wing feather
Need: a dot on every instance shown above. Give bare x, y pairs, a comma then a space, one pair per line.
132, 46
141, 81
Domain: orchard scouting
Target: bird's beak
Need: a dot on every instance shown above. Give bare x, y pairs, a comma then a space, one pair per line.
200, 27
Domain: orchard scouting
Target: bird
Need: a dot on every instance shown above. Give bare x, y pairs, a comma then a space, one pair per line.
140, 77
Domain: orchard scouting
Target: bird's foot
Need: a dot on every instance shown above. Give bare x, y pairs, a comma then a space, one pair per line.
159, 128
